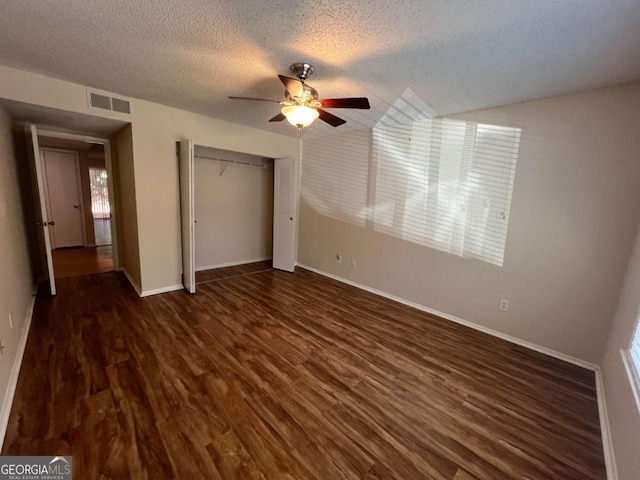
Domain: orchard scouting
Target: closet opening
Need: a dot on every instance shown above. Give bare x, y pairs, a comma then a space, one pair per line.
233, 206
235, 209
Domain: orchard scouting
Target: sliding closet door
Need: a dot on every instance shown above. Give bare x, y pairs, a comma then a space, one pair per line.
283, 214
187, 215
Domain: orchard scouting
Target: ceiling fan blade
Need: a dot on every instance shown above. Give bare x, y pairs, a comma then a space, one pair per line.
356, 102
278, 118
293, 86
259, 99
330, 118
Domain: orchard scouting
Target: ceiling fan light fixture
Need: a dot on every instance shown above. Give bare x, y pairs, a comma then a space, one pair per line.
299, 115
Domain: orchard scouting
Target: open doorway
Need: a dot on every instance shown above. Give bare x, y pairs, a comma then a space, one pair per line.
60, 164
77, 201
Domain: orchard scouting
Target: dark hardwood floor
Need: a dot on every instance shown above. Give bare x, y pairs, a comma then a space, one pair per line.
226, 272
290, 376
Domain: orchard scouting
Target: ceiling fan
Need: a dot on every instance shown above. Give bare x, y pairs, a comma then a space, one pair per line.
301, 105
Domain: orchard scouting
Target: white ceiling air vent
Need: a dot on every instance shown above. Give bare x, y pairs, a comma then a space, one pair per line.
104, 101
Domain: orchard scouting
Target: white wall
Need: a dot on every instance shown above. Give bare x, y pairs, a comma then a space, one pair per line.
16, 284
575, 212
234, 211
624, 416
155, 130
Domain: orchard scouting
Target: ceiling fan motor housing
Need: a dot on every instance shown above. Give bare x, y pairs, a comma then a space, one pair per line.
302, 70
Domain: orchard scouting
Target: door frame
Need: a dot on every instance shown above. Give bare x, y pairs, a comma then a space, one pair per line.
79, 186
106, 143
42, 219
186, 166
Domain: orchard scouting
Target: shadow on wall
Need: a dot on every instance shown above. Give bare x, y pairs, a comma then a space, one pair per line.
441, 183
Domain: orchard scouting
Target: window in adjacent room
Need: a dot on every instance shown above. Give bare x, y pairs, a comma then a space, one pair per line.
446, 184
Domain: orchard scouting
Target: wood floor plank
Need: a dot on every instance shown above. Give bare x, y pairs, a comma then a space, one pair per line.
134, 403
232, 459
100, 418
270, 375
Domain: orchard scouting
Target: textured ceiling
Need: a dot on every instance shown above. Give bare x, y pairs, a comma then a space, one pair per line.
453, 56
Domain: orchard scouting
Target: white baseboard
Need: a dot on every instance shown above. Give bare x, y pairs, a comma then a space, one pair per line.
466, 323
171, 288
133, 283
15, 373
232, 264
148, 293
605, 430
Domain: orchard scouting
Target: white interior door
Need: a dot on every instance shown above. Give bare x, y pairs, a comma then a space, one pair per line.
63, 193
187, 215
42, 220
284, 253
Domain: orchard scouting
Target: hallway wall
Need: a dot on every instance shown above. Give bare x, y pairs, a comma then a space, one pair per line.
16, 283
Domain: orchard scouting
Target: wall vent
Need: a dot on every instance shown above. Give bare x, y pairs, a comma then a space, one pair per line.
106, 102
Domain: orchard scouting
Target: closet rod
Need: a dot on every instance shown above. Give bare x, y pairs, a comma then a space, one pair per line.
240, 162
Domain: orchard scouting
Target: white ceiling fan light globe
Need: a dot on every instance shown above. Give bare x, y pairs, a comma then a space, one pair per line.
299, 115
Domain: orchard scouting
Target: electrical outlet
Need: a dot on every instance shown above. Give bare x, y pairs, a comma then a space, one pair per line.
1, 349
504, 305
11, 319
353, 264
339, 258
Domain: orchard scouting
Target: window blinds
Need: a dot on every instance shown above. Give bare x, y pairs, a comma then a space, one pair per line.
446, 184
335, 173
100, 207
634, 351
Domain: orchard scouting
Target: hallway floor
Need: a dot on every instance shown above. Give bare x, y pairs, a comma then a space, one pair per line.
73, 262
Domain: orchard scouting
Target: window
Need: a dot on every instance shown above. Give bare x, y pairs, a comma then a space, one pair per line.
446, 184
632, 363
335, 173
100, 207
634, 351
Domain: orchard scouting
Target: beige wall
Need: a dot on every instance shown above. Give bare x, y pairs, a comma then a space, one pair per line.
624, 417
125, 201
16, 284
234, 211
155, 129
575, 211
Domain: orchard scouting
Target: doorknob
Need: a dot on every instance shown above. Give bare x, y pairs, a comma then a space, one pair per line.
53, 224
76, 206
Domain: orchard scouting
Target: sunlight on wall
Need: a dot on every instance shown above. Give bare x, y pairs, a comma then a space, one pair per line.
440, 183
335, 173
446, 184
